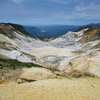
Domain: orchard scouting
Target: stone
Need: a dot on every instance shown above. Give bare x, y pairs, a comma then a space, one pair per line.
2, 79
34, 74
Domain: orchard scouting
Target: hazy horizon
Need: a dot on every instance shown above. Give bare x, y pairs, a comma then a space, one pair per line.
49, 24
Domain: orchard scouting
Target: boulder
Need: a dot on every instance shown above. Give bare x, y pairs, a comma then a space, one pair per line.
34, 74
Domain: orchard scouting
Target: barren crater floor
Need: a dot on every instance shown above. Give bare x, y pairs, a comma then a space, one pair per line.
44, 51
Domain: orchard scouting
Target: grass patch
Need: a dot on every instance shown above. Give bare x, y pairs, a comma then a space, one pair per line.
78, 74
17, 64
14, 64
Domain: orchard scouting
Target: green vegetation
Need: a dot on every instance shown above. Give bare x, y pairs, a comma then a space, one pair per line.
16, 64
91, 28
89, 75
21, 29
78, 75
2, 32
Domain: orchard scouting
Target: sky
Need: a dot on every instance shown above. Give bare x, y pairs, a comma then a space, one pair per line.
50, 12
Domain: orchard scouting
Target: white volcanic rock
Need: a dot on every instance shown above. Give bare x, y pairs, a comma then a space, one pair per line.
50, 61
11, 54
64, 40
20, 56
28, 42
63, 63
34, 74
94, 65
80, 33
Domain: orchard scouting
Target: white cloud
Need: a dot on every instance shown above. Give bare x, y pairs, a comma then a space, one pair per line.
87, 11
17, 1
91, 3
58, 1
86, 15
88, 7
81, 3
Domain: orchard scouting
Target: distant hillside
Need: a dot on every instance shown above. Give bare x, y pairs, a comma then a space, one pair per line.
50, 31
8, 29
34, 31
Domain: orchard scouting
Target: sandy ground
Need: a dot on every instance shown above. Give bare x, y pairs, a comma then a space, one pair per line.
44, 51
52, 89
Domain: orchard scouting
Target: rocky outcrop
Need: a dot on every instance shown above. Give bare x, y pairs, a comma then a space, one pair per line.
93, 33
34, 74
86, 63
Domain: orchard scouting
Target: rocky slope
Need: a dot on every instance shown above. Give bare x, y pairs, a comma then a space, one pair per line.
14, 40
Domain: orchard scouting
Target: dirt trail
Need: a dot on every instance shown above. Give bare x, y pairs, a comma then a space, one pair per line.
52, 89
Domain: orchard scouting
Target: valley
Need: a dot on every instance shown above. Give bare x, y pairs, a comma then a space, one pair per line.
49, 70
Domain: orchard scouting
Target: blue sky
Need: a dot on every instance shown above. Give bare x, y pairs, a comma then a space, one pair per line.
50, 12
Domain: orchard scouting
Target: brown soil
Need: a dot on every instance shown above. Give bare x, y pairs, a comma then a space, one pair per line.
89, 36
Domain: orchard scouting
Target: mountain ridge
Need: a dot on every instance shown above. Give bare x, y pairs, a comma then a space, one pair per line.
9, 28
51, 31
